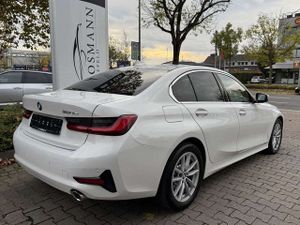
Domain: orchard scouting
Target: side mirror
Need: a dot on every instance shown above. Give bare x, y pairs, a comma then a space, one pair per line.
261, 98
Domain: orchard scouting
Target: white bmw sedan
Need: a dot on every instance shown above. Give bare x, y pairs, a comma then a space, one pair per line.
144, 131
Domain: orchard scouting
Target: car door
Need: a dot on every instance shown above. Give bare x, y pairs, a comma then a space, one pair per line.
36, 82
252, 119
11, 87
215, 117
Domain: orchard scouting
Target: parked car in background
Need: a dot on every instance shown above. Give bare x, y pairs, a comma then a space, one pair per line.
297, 90
17, 83
144, 131
257, 80
267, 80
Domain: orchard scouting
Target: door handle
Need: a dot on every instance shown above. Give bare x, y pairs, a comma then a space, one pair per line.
201, 113
17, 88
243, 112
49, 88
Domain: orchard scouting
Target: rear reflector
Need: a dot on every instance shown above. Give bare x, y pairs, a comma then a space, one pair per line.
105, 180
102, 126
27, 114
92, 181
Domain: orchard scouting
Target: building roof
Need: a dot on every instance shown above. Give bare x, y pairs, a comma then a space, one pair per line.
284, 65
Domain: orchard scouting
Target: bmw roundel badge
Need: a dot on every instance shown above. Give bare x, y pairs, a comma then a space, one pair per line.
39, 106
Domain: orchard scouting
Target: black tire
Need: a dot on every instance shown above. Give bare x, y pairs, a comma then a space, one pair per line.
165, 195
272, 149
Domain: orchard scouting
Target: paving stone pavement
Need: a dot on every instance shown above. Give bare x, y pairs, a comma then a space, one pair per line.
259, 190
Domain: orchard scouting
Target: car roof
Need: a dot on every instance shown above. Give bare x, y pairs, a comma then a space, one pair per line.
30, 71
169, 67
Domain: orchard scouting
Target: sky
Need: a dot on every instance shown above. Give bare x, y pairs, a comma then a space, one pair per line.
157, 48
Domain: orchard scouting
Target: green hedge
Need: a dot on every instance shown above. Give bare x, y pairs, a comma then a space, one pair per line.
10, 118
271, 87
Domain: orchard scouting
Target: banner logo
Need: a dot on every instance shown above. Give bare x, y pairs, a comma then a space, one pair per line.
86, 53
77, 55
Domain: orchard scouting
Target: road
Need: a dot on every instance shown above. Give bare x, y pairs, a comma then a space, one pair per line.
288, 102
260, 190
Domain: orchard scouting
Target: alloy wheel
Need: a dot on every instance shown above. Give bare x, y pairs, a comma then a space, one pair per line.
185, 177
277, 136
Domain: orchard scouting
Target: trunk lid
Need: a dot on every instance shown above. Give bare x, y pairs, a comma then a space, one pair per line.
52, 109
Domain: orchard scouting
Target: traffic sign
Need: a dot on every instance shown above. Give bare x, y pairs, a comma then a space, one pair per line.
135, 50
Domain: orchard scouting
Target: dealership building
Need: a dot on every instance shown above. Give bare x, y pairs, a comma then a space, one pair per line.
25, 60
288, 72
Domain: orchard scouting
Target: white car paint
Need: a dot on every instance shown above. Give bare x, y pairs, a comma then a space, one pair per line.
229, 132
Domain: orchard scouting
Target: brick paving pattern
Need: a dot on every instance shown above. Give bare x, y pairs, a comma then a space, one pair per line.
259, 190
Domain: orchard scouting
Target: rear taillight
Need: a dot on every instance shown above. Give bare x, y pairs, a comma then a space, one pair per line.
27, 114
102, 126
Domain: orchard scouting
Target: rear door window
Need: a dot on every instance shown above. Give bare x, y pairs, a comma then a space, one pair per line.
206, 87
37, 78
13, 77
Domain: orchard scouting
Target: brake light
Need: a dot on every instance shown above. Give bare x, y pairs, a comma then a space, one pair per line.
27, 114
102, 126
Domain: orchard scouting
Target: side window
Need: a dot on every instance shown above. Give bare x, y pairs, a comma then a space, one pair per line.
183, 90
48, 78
206, 87
236, 92
36, 78
11, 78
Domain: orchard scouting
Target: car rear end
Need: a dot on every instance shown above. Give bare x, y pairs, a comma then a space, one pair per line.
53, 141
77, 141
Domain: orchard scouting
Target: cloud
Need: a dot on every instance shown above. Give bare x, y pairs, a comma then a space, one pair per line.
161, 53
123, 17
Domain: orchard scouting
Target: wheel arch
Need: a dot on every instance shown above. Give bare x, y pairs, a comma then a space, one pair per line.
194, 141
199, 144
280, 118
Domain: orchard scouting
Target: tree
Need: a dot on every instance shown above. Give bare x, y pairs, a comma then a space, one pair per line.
181, 17
271, 41
118, 51
227, 41
24, 23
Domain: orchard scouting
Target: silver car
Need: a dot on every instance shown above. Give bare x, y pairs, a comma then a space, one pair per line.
17, 83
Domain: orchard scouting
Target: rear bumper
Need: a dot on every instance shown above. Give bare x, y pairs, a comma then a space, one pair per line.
57, 167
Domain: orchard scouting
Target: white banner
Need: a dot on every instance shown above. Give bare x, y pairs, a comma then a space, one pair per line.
79, 40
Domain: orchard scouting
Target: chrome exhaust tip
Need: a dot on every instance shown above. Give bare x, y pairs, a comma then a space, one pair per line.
77, 195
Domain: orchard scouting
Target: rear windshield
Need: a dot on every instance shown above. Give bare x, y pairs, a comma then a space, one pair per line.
123, 82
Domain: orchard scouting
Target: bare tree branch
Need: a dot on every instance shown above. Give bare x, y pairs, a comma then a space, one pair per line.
181, 17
